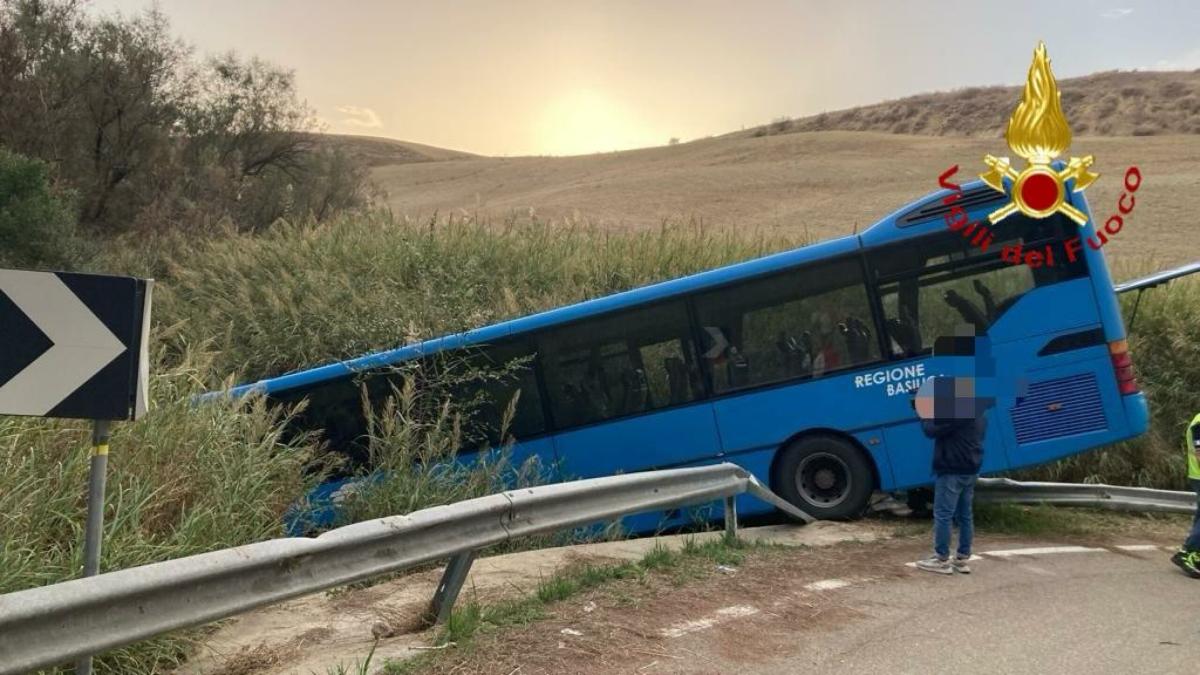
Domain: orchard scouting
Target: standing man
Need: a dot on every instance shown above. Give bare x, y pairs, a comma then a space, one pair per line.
1188, 557
952, 416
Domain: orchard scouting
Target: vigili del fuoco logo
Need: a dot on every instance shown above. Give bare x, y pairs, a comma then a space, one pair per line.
1038, 133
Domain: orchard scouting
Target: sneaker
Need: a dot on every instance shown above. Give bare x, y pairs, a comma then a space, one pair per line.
1188, 561
935, 564
960, 564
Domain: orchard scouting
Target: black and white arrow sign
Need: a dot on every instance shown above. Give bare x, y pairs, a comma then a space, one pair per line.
73, 345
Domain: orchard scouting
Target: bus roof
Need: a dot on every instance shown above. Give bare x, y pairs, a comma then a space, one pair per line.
914, 219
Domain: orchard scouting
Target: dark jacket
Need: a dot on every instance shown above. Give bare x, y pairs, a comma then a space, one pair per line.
957, 444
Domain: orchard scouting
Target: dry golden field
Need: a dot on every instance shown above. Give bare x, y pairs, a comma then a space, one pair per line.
824, 183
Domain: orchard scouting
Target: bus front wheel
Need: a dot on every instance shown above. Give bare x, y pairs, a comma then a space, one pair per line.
826, 476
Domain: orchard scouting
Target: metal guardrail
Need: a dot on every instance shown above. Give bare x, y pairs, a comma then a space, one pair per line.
53, 624
1080, 494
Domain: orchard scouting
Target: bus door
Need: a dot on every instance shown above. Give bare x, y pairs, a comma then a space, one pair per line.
625, 392
928, 288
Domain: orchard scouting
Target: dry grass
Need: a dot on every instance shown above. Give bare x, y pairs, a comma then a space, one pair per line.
1102, 104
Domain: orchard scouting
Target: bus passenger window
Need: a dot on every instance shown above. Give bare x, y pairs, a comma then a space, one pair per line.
618, 365
801, 323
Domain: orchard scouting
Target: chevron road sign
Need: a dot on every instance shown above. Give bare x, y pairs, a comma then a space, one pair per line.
73, 345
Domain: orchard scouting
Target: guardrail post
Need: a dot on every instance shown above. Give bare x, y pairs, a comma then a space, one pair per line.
731, 517
448, 588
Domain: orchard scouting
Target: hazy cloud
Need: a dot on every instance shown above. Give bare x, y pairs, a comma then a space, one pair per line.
1116, 13
361, 118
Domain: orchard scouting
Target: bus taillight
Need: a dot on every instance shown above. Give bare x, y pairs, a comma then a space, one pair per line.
1123, 367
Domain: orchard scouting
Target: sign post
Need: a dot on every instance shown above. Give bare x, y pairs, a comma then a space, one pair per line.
97, 478
75, 346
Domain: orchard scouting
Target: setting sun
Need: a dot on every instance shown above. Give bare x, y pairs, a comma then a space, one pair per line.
583, 121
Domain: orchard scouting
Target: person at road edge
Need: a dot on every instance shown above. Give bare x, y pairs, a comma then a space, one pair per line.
1188, 557
954, 419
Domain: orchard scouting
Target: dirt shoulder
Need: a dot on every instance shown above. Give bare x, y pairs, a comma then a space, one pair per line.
319, 632
656, 621
653, 613
700, 616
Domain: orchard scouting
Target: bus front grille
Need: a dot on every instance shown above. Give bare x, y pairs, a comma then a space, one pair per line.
1055, 408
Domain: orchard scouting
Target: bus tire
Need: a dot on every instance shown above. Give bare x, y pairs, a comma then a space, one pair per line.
826, 476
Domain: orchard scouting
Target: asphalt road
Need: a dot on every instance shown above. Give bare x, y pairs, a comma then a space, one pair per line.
1054, 612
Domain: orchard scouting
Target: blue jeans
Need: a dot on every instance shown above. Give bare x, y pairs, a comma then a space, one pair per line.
1193, 540
952, 495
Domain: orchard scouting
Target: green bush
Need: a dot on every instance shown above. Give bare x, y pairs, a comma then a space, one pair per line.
37, 226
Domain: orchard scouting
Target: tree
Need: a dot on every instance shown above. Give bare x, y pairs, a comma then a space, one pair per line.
37, 226
248, 112
147, 136
247, 119
132, 96
39, 77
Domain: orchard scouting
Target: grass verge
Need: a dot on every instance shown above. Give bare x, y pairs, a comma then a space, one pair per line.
1044, 520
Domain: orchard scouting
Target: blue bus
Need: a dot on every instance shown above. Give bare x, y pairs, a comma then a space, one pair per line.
799, 366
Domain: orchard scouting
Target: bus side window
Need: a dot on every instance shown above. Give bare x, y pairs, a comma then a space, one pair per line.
620, 364
514, 377
800, 323
334, 409
483, 382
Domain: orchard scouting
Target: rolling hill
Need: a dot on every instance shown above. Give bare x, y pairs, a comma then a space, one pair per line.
374, 151
818, 180
1103, 104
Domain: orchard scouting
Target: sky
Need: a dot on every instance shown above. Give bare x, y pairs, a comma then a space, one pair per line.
562, 77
